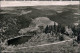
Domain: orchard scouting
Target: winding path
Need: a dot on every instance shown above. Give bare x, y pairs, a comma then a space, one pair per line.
49, 44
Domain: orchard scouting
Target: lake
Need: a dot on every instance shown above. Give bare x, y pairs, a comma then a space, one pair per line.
18, 40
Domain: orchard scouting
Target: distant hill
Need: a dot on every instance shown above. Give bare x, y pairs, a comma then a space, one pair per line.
42, 21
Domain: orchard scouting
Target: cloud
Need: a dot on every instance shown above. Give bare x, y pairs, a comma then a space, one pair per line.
34, 3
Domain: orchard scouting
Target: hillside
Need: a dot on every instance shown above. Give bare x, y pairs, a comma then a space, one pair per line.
21, 17
44, 25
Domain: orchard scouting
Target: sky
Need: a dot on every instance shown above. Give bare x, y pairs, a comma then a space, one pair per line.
35, 3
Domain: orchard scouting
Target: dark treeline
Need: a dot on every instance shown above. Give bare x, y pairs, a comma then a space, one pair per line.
54, 28
58, 30
61, 29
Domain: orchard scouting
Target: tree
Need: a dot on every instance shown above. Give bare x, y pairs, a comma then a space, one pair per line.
78, 38
46, 29
59, 28
62, 29
55, 27
61, 38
